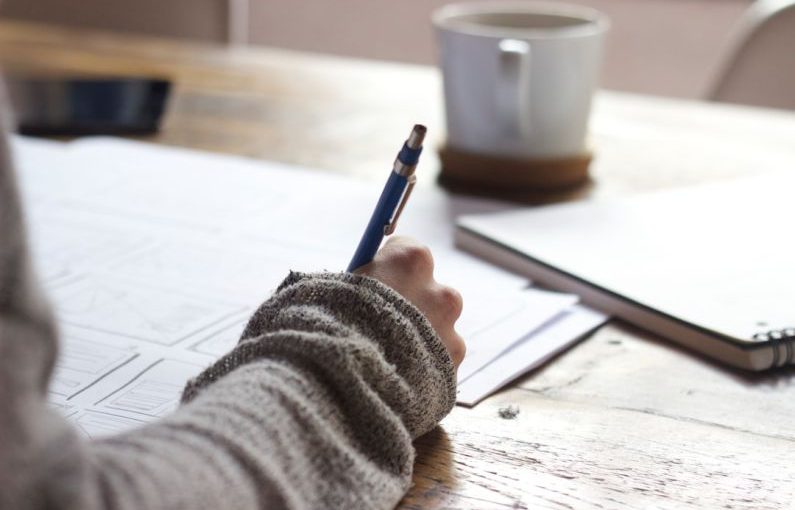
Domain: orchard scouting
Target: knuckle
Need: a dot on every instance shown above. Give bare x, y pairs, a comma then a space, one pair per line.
458, 350
415, 258
451, 301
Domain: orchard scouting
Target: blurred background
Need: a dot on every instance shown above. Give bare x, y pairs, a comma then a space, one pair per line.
731, 50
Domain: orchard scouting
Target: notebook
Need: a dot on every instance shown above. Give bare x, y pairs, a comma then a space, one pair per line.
711, 267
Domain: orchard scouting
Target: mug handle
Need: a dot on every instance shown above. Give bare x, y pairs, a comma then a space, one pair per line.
513, 87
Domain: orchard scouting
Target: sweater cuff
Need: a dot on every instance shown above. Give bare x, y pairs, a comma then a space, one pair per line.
356, 316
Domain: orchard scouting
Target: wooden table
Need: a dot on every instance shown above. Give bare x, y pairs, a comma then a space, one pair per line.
623, 420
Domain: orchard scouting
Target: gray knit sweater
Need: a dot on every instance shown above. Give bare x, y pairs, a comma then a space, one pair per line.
316, 408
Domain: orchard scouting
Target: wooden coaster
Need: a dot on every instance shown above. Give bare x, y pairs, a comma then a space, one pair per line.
482, 174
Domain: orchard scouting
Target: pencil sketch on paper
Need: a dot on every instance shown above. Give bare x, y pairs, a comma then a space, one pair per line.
246, 274
221, 342
153, 393
93, 424
81, 363
144, 313
155, 257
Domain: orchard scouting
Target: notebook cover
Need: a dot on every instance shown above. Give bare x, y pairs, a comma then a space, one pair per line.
717, 257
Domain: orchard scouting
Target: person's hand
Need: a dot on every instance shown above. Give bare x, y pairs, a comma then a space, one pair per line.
407, 266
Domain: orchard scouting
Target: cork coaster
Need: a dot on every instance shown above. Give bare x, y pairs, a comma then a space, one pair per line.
496, 175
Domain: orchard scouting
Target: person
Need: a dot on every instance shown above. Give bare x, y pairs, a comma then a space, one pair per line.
317, 406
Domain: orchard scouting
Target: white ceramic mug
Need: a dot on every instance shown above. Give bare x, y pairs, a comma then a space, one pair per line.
519, 76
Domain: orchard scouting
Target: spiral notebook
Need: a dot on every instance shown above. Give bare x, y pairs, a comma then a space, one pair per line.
711, 267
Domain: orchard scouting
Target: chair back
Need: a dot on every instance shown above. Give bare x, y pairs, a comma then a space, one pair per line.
759, 68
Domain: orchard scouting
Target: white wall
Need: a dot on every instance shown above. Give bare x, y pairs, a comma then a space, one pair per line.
667, 47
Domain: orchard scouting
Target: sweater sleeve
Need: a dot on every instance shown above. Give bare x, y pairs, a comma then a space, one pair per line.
315, 408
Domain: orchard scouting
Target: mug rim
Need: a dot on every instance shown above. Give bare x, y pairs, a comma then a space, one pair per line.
595, 22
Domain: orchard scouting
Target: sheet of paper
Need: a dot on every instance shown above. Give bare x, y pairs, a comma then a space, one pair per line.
498, 323
531, 352
105, 382
155, 257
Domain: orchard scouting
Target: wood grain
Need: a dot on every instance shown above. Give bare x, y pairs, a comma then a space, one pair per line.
623, 420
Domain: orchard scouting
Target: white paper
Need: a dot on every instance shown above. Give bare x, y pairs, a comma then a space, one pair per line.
532, 351
154, 258
505, 320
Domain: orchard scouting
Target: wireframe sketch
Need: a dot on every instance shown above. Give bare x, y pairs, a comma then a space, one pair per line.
93, 424
81, 363
61, 248
222, 341
253, 274
144, 313
153, 393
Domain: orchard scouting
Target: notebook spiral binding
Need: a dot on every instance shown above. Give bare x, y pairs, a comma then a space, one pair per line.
777, 337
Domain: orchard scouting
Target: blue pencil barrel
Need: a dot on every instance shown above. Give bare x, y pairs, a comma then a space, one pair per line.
374, 233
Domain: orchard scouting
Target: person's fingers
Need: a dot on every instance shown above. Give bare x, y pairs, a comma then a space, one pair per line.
455, 346
408, 256
442, 305
407, 266
391, 240
448, 301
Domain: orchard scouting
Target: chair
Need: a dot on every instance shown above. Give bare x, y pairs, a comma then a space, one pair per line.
760, 67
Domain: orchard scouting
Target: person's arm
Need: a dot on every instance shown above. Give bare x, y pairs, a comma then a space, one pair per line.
28, 429
316, 407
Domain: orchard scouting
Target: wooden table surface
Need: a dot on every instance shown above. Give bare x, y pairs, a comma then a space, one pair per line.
624, 419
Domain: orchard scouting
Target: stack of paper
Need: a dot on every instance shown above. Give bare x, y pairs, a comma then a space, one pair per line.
155, 257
